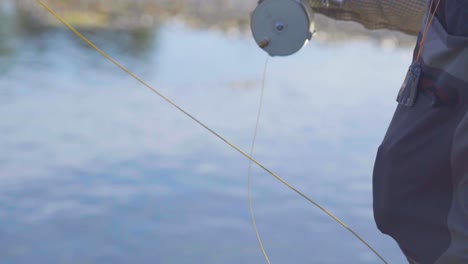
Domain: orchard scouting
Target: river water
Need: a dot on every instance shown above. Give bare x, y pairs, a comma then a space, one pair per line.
94, 168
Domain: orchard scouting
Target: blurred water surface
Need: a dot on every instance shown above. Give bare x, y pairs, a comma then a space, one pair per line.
94, 168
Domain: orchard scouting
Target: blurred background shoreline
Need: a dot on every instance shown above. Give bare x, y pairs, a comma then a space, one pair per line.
229, 16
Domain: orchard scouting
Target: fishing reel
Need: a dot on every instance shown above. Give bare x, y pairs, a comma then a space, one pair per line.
282, 27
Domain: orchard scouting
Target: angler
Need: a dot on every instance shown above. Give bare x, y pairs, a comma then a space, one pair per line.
420, 181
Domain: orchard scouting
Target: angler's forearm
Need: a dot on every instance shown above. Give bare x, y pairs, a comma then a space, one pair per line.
402, 15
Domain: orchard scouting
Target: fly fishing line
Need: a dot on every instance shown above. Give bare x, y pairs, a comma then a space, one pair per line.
249, 173
141, 81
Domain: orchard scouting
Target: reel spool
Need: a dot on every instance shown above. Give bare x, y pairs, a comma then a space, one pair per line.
282, 27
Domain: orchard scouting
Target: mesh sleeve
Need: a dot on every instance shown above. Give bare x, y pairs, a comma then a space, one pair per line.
402, 15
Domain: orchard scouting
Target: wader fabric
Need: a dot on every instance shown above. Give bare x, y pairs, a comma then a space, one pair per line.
421, 170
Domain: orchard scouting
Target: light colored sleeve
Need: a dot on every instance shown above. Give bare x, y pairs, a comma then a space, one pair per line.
402, 15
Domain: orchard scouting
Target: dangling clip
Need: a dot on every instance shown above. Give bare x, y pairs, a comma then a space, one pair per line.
409, 90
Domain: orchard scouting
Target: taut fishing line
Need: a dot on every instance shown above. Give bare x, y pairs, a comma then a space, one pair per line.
104, 54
